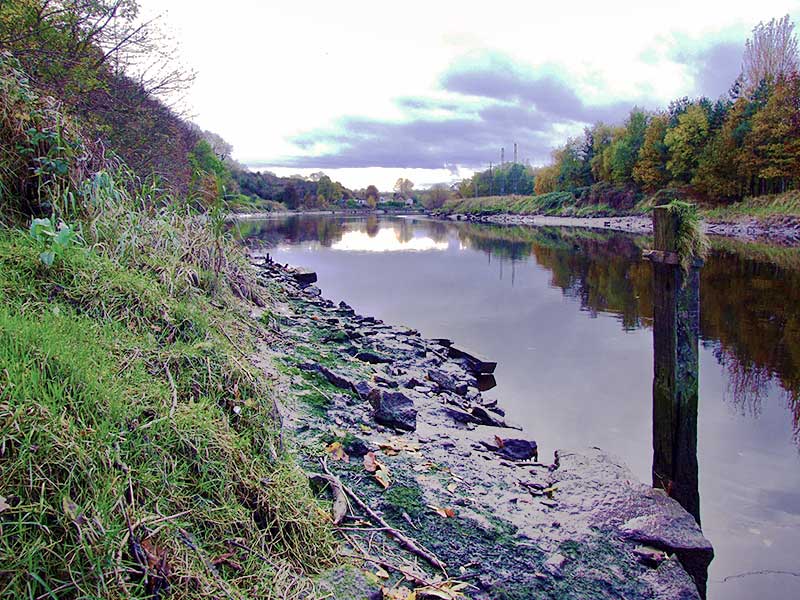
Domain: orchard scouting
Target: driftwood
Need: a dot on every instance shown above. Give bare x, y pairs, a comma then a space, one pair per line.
405, 541
339, 498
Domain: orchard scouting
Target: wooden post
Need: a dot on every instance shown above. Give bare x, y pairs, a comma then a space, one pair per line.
676, 327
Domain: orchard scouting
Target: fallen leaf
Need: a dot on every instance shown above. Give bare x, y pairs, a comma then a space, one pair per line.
398, 593
382, 573
499, 441
3, 504
396, 445
338, 432
336, 450
371, 464
382, 475
447, 513
549, 491
452, 487
448, 590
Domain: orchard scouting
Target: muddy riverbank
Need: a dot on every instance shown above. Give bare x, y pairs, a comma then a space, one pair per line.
401, 421
775, 230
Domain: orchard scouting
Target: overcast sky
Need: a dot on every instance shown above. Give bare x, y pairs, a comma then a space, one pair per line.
369, 91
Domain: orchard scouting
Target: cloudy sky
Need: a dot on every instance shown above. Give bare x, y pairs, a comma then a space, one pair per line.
369, 91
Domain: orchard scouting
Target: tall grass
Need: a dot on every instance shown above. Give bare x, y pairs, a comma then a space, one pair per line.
140, 451
131, 431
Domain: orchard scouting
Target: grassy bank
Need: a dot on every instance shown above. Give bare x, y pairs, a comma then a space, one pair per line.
140, 449
565, 204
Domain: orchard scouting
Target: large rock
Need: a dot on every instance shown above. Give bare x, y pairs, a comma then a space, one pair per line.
675, 532
515, 449
475, 364
304, 278
396, 410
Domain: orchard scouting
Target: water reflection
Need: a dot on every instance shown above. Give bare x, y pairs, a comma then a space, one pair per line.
751, 294
386, 239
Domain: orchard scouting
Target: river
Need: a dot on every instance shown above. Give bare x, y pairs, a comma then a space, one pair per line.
567, 314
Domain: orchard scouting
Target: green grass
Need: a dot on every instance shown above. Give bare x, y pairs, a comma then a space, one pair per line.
778, 205
128, 420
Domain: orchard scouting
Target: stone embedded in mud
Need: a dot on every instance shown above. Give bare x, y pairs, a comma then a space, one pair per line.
333, 378
485, 418
367, 392
447, 383
396, 410
460, 416
555, 564
676, 532
355, 447
372, 358
515, 449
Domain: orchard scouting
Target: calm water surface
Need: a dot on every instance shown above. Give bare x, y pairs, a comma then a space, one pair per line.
567, 314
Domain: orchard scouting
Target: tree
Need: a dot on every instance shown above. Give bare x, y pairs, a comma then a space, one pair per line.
772, 146
625, 149
685, 143
546, 179
771, 53
372, 195
290, 197
650, 170
436, 196
721, 172
403, 187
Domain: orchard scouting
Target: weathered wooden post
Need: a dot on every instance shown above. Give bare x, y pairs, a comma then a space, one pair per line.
675, 378
676, 327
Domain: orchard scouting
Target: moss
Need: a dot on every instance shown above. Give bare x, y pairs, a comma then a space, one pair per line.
403, 498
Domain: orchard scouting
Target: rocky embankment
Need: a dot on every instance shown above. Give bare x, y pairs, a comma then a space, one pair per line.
433, 489
776, 230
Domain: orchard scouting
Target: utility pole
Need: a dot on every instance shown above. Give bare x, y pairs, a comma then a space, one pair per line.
491, 181
515, 152
502, 156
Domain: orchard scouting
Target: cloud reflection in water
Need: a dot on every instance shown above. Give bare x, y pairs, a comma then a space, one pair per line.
387, 239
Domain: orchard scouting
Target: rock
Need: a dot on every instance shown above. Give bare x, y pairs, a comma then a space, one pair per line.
476, 365
555, 564
675, 532
519, 449
413, 383
390, 383
396, 410
333, 378
372, 358
355, 447
447, 383
312, 291
485, 418
458, 415
304, 278
367, 392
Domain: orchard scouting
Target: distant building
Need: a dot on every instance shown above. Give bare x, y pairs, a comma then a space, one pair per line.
409, 202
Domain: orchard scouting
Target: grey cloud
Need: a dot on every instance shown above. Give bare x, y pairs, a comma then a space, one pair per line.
514, 104
714, 67
425, 143
496, 77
